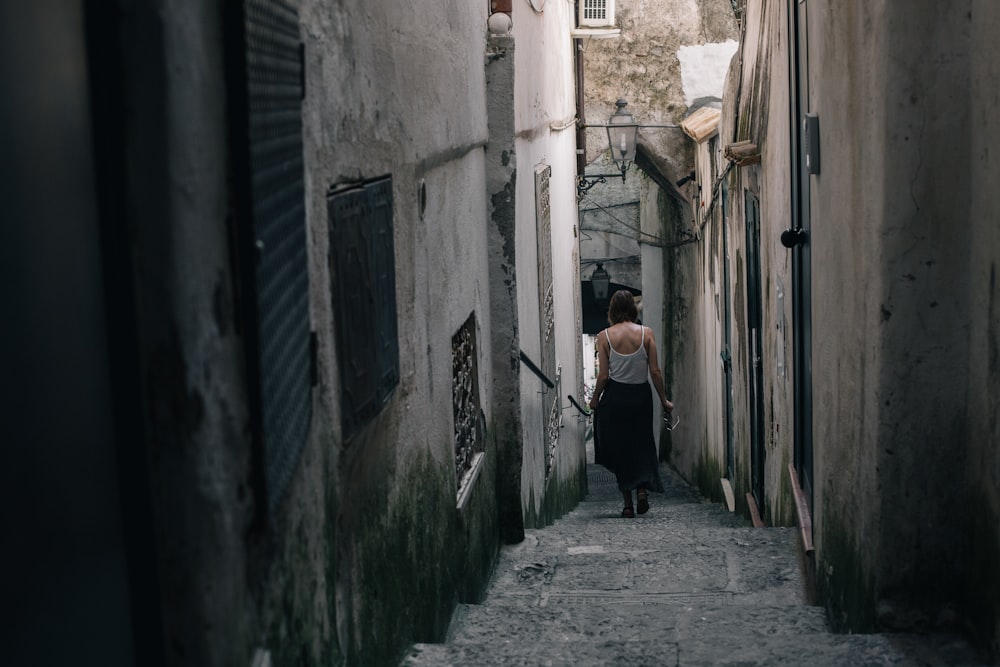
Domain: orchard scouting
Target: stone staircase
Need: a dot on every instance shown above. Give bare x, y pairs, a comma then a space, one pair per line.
686, 585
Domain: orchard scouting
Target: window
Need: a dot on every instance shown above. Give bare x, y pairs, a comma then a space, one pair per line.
469, 424
269, 196
546, 312
363, 270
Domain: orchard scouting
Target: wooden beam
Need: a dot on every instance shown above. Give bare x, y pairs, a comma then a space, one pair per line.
742, 153
727, 492
802, 510
754, 512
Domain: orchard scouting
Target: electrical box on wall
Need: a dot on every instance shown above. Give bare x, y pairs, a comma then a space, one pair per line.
810, 142
597, 13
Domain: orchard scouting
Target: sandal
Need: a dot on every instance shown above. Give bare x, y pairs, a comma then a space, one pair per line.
643, 498
627, 513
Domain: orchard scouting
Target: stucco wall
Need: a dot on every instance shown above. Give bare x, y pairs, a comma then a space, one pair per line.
902, 446
757, 111
982, 537
890, 294
698, 443
367, 552
194, 396
501, 181
652, 274
544, 111
390, 493
903, 262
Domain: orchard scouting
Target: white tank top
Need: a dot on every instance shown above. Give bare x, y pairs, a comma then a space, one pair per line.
628, 368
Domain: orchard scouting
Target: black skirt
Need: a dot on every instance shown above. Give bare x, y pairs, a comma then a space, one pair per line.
623, 436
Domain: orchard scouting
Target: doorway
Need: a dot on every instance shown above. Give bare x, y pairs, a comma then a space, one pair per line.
801, 253
756, 347
727, 349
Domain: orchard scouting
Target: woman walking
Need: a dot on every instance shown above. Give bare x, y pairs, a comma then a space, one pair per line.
623, 403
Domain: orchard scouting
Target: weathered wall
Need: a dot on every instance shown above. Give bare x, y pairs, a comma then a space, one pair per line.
643, 66
890, 294
370, 547
658, 212
849, 310
756, 111
395, 553
501, 182
777, 282
903, 382
981, 548
699, 441
194, 394
543, 122
367, 552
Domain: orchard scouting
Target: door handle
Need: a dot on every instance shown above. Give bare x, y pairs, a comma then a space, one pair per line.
793, 237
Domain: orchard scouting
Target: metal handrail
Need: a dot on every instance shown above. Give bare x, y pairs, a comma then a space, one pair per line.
536, 370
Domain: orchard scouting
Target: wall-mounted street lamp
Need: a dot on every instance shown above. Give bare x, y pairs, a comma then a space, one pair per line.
600, 280
622, 131
622, 134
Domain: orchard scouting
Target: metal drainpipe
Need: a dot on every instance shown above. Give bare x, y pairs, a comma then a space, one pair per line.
581, 130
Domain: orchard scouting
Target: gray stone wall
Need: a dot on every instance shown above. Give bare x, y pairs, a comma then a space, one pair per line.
902, 286
642, 65
980, 535
501, 184
890, 295
545, 241
368, 542
371, 546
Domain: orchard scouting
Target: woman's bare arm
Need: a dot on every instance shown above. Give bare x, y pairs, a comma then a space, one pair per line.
654, 371
602, 370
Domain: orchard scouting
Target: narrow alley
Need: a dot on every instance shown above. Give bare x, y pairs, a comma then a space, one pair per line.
687, 585
304, 299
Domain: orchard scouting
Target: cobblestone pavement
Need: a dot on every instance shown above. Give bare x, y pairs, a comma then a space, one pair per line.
687, 584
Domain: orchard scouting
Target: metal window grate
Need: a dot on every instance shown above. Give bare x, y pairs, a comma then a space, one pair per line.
363, 268
595, 9
546, 310
274, 99
596, 13
465, 398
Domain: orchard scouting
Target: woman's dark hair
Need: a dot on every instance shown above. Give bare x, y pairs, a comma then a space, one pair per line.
622, 308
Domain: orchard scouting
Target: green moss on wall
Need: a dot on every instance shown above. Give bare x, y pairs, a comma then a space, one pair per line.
561, 496
843, 585
782, 513
707, 474
741, 487
531, 511
293, 568
413, 563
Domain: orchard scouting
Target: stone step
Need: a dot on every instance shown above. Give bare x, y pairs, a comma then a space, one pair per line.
670, 618
687, 584
815, 650
747, 567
